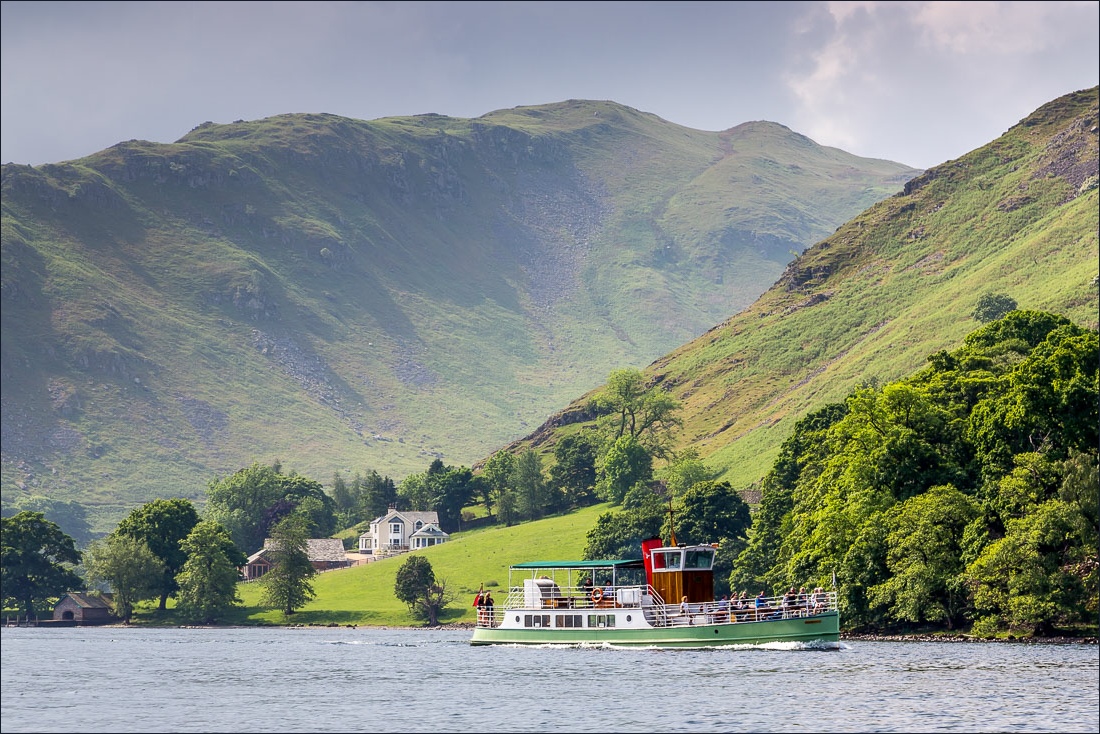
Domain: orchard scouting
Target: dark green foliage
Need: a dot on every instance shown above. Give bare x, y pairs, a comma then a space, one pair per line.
626, 464
992, 306
375, 495
36, 561
618, 535
943, 499
535, 497
574, 469
442, 489
713, 512
288, 584
251, 501
162, 525
417, 587
208, 579
804, 446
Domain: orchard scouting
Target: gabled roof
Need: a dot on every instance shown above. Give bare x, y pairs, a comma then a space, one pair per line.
318, 549
410, 516
430, 530
86, 600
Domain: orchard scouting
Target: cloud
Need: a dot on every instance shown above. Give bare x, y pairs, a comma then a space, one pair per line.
907, 81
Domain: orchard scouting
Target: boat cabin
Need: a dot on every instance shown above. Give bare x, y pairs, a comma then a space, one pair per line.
679, 571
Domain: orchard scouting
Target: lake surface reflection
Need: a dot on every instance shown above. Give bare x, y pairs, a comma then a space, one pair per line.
375, 680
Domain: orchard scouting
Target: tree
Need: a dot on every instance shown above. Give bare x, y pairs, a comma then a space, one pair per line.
574, 470
625, 464
288, 586
376, 495
684, 472
251, 501
35, 561
923, 558
163, 524
497, 476
992, 306
535, 496
417, 586
1029, 579
619, 535
632, 409
129, 567
343, 500
208, 579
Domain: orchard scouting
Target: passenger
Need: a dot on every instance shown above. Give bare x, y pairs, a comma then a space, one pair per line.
479, 604
723, 609
761, 604
487, 607
789, 603
587, 586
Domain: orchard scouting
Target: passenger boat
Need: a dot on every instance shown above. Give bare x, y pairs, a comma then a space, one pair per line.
665, 599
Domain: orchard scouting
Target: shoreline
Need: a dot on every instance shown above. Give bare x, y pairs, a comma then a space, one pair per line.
465, 626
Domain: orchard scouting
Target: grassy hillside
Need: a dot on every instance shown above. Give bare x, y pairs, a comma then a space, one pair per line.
363, 595
345, 295
893, 285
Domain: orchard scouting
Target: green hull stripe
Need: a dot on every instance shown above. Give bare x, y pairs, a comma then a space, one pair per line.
824, 628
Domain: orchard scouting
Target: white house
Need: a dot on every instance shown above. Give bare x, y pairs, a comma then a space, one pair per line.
398, 532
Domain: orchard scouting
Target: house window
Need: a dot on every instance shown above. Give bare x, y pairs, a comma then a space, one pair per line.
418, 524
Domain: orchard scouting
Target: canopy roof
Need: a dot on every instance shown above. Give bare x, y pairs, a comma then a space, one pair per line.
629, 563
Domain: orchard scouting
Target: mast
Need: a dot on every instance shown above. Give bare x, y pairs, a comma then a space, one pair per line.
671, 524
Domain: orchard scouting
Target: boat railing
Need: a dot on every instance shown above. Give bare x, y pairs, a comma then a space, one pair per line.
660, 613
755, 609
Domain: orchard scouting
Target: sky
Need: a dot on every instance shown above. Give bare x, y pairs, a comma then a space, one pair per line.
918, 83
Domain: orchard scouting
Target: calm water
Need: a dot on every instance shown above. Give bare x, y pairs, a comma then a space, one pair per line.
350, 680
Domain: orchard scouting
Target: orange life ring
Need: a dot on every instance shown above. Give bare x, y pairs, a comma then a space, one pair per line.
597, 595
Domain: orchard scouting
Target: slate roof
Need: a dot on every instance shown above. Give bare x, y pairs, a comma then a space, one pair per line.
318, 549
86, 600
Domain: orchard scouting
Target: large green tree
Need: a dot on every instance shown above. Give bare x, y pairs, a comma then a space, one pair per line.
36, 561
288, 586
574, 469
631, 407
924, 558
417, 586
249, 502
162, 524
535, 496
131, 569
625, 464
208, 579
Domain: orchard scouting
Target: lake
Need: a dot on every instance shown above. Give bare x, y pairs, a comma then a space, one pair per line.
113, 679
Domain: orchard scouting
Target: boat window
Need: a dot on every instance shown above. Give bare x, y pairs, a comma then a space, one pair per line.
601, 620
536, 620
568, 620
699, 559
670, 560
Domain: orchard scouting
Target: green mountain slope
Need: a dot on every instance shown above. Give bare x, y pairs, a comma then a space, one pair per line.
344, 295
893, 285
